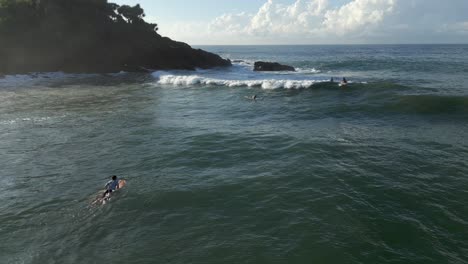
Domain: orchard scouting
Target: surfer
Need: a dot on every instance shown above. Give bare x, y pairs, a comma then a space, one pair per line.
343, 83
332, 80
111, 186
253, 97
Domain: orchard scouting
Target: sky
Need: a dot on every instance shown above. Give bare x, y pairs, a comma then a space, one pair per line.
273, 22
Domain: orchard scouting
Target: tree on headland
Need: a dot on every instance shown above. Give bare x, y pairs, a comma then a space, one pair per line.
87, 36
133, 14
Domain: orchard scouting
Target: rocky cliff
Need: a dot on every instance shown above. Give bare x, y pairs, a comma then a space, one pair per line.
88, 36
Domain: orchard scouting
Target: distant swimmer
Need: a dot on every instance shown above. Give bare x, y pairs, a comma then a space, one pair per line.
332, 80
253, 97
344, 82
111, 186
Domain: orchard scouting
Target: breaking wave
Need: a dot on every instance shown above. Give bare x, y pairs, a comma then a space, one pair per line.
188, 80
241, 74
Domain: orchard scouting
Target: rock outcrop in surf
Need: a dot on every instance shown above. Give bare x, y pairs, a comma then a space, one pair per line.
271, 66
88, 36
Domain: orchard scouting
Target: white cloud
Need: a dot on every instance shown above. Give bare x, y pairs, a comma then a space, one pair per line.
229, 24
358, 15
301, 17
459, 27
318, 21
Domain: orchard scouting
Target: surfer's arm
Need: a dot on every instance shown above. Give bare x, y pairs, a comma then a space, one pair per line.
107, 184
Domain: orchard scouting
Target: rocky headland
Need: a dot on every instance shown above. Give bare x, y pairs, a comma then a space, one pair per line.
84, 36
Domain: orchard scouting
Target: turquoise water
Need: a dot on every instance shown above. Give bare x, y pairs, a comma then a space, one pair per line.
310, 173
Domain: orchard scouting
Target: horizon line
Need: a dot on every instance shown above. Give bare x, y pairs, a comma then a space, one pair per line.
357, 44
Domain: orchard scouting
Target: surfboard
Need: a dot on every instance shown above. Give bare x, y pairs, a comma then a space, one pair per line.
104, 200
122, 183
342, 84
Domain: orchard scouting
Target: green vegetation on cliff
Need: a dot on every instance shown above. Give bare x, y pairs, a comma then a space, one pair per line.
88, 36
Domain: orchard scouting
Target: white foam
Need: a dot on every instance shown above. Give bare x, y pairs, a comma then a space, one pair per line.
313, 70
190, 80
29, 120
241, 74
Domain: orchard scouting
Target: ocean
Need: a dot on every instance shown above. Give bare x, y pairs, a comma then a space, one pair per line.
374, 172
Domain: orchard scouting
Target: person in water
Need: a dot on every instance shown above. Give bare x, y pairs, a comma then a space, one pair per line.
344, 80
332, 80
111, 185
253, 97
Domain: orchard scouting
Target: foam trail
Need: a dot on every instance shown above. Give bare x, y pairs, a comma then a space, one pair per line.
313, 70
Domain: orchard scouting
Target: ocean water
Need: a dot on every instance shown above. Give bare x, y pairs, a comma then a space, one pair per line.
375, 172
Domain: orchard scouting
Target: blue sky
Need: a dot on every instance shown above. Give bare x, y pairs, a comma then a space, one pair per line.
309, 21
196, 10
193, 9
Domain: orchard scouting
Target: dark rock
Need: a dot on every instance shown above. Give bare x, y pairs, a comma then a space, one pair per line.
271, 66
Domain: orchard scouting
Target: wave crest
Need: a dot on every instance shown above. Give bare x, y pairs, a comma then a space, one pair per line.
188, 80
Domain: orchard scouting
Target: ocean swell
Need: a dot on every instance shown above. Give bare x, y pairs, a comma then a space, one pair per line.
431, 104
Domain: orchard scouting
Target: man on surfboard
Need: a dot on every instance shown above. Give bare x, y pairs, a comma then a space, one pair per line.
253, 97
343, 83
111, 186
